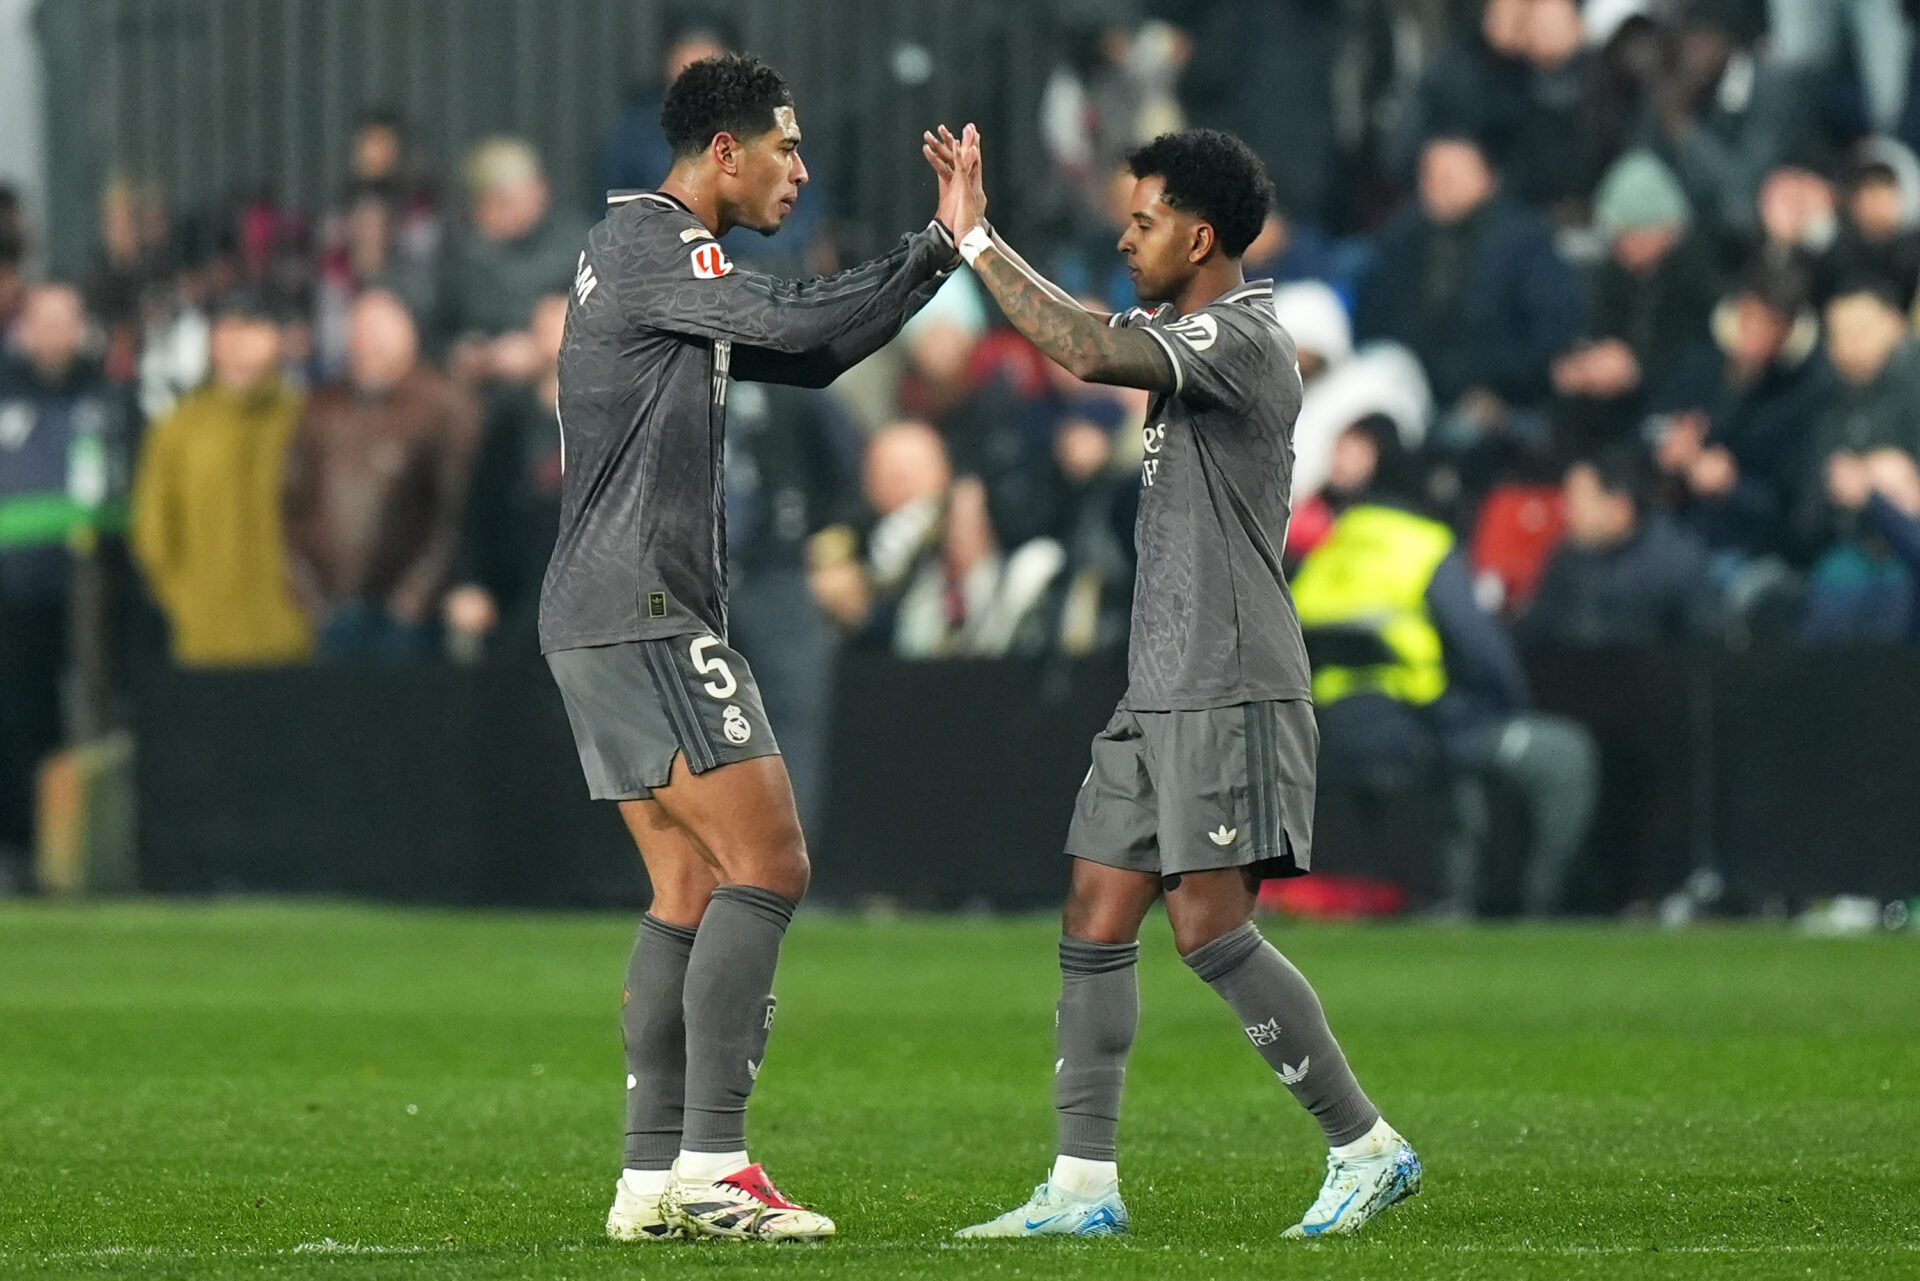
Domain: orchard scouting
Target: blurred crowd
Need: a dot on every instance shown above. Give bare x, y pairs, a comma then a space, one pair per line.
1623, 294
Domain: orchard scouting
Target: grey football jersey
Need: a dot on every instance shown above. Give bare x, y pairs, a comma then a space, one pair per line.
658, 321
1213, 622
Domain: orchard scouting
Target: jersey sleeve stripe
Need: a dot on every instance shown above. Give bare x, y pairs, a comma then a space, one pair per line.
1173, 358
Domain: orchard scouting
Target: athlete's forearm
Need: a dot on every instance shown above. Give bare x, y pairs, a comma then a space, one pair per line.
1077, 339
811, 340
1040, 282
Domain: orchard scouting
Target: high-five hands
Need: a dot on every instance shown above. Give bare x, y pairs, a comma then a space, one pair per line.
963, 194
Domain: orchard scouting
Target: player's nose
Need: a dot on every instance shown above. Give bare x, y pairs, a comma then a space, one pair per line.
799, 171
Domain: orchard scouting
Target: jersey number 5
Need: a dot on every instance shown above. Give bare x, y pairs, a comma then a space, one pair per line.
722, 685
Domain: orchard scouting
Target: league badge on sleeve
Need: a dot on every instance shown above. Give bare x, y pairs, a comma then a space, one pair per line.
1199, 331
710, 262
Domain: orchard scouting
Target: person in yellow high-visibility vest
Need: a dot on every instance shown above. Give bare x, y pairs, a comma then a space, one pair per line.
1409, 668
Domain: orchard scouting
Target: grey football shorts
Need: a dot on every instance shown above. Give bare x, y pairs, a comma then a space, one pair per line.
1177, 792
635, 705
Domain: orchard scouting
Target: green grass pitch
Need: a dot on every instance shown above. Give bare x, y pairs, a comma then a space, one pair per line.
263, 1090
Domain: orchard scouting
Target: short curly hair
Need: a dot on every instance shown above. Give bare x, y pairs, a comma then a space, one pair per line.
1211, 175
734, 93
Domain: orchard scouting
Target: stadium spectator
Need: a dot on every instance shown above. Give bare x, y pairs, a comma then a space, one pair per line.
1289, 249
1806, 37
132, 261
905, 478
62, 431
376, 478
1469, 281
1091, 114
971, 598
1476, 88
1651, 299
1409, 671
275, 253
1072, 485
516, 250
13, 214
1632, 53
1891, 509
1732, 424
986, 392
791, 500
512, 512
173, 359
1342, 386
1859, 591
1799, 223
1369, 446
381, 158
1556, 153
370, 251
13, 276
384, 234
634, 156
1879, 242
1083, 261
634, 153
1263, 71
206, 501
1626, 574
1876, 403
1520, 84
1723, 116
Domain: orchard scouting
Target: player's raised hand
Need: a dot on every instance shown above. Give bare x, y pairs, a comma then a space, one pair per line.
942, 152
963, 197
939, 149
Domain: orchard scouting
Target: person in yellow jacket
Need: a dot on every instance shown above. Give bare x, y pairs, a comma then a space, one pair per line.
206, 503
1409, 670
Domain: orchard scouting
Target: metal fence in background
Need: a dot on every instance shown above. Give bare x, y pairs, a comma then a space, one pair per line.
213, 100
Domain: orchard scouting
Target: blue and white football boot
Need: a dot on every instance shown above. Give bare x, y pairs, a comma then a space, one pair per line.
1357, 1188
1055, 1212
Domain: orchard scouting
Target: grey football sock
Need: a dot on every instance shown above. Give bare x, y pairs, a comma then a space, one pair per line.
1283, 1019
729, 1011
1094, 1024
653, 1028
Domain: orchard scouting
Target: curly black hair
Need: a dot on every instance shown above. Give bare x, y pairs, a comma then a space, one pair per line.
734, 93
1212, 175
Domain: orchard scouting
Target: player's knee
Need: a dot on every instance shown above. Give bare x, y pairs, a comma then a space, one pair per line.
1094, 920
1193, 932
681, 902
780, 864
798, 871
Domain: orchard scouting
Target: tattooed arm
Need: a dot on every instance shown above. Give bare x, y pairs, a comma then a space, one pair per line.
1079, 340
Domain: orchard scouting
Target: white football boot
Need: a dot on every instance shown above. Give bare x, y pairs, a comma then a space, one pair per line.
1055, 1212
1357, 1188
635, 1215
744, 1206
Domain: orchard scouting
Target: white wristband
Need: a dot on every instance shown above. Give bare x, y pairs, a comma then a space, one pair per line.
976, 239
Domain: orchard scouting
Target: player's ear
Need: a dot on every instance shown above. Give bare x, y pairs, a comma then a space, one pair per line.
725, 149
1200, 246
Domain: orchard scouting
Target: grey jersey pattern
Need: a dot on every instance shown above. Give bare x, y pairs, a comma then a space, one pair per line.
1213, 622
658, 322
